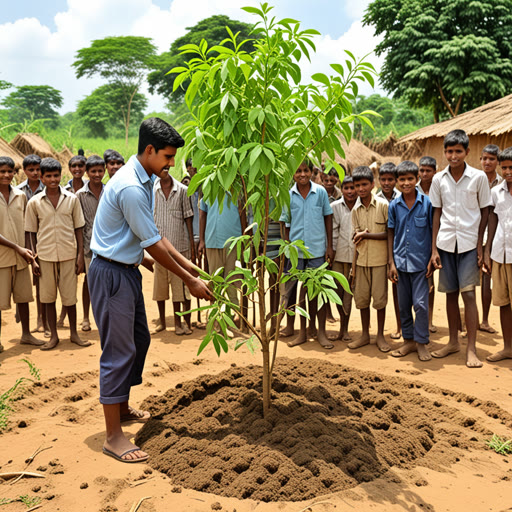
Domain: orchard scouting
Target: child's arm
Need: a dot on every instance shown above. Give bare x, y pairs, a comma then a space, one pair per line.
26, 254
365, 235
202, 230
435, 260
188, 222
31, 243
484, 212
392, 271
329, 253
493, 224
79, 235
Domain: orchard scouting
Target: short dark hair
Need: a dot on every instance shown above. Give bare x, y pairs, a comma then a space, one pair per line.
387, 168
456, 137
407, 167
363, 172
492, 149
50, 165
506, 154
428, 161
81, 152
7, 160
188, 163
159, 134
93, 161
111, 155
308, 163
333, 172
77, 159
347, 181
31, 160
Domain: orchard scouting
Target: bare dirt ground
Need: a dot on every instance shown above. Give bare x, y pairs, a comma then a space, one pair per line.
63, 415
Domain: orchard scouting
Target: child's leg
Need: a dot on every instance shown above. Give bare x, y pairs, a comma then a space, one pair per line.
72, 328
86, 302
188, 316
51, 317
302, 337
179, 328
379, 291
322, 318
160, 295
396, 335
362, 297
471, 314
486, 303
506, 327
405, 302
161, 325
453, 315
431, 295
365, 325
42, 322
62, 317
289, 298
26, 336
380, 340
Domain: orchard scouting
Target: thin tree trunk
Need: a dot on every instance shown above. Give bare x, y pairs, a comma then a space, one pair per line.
443, 99
127, 125
266, 378
459, 102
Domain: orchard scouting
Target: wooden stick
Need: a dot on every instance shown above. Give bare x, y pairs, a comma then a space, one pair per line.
136, 505
135, 484
313, 504
35, 508
12, 474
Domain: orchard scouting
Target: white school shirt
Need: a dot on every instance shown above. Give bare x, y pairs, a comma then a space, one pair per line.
460, 204
342, 232
502, 243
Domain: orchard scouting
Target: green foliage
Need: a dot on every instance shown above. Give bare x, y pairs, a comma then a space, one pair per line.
5, 85
213, 30
14, 393
33, 102
500, 445
447, 55
28, 501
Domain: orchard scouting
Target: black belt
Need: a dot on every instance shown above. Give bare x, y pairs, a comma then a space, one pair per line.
125, 265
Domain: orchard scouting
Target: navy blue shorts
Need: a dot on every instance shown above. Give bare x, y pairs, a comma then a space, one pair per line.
460, 272
118, 307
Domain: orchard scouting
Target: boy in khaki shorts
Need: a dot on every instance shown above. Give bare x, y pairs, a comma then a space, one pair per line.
14, 273
369, 223
55, 222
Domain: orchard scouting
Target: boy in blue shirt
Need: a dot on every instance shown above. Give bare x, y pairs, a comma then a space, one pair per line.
310, 219
409, 247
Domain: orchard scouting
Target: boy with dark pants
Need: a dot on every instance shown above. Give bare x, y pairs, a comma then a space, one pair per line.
369, 225
489, 162
54, 221
14, 272
409, 229
89, 196
344, 251
309, 219
499, 250
460, 196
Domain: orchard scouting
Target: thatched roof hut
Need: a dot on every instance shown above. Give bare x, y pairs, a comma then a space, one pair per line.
7, 150
64, 157
32, 144
489, 124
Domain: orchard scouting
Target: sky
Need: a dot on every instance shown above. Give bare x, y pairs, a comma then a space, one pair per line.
39, 39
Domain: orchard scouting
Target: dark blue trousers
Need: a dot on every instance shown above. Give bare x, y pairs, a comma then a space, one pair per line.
118, 307
413, 293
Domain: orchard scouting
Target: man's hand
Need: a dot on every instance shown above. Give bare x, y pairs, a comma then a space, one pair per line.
487, 265
393, 273
26, 254
430, 270
479, 255
435, 260
329, 255
201, 249
80, 265
359, 236
36, 269
199, 289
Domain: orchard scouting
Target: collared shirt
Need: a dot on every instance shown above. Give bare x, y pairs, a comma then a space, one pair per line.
12, 218
371, 253
55, 227
460, 204
396, 193
419, 188
124, 225
221, 226
502, 243
89, 204
495, 182
25, 187
412, 244
170, 214
335, 195
306, 218
342, 231
69, 186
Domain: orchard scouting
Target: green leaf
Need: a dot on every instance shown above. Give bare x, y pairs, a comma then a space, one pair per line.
255, 153
224, 102
338, 68
320, 77
204, 343
252, 10
302, 312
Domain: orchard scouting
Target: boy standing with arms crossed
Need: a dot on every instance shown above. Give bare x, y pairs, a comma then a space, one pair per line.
460, 196
409, 236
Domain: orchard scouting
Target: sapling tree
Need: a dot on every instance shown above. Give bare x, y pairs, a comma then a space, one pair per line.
253, 123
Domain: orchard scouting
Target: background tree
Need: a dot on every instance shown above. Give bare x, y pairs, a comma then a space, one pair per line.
104, 110
448, 55
213, 30
33, 102
123, 61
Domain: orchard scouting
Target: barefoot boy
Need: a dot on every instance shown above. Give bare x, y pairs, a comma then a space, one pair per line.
54, 221
499, 249
409, 248
344, 250
460, 196
369, 225
14, 272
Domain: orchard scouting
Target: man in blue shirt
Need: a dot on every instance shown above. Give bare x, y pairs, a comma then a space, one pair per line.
409, 246
123, 228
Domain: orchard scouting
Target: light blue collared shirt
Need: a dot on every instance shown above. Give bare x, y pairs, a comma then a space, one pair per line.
306, 218
124, 225
221, 226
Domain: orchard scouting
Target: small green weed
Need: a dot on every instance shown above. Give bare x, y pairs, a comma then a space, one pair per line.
500, 445
28, 501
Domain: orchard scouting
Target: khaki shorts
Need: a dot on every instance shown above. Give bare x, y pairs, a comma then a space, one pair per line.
501, 283
222, 258
16, 283
162, 278
371, 282
61, 275
346, 298
87, 261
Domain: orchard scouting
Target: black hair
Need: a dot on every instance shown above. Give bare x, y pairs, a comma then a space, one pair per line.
309, 164
347, 181
407, 167
188, 163
506, 154
492, 149
111, 155
428, 161
81, 152
363, 172
77, 159
31, 160
7, 160
333, 172
456, 137
388, 168
50, 165
93, 161
159, 134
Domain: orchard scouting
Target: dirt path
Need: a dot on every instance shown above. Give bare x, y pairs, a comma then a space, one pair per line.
63, 413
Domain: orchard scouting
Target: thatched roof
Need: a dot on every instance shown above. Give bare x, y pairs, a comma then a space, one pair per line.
493, 119
7, 150
32, 143
64, 157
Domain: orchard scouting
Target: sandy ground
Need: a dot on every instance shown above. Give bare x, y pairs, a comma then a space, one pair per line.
63, 415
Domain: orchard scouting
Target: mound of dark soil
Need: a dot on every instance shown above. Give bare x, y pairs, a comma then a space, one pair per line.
330, 428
